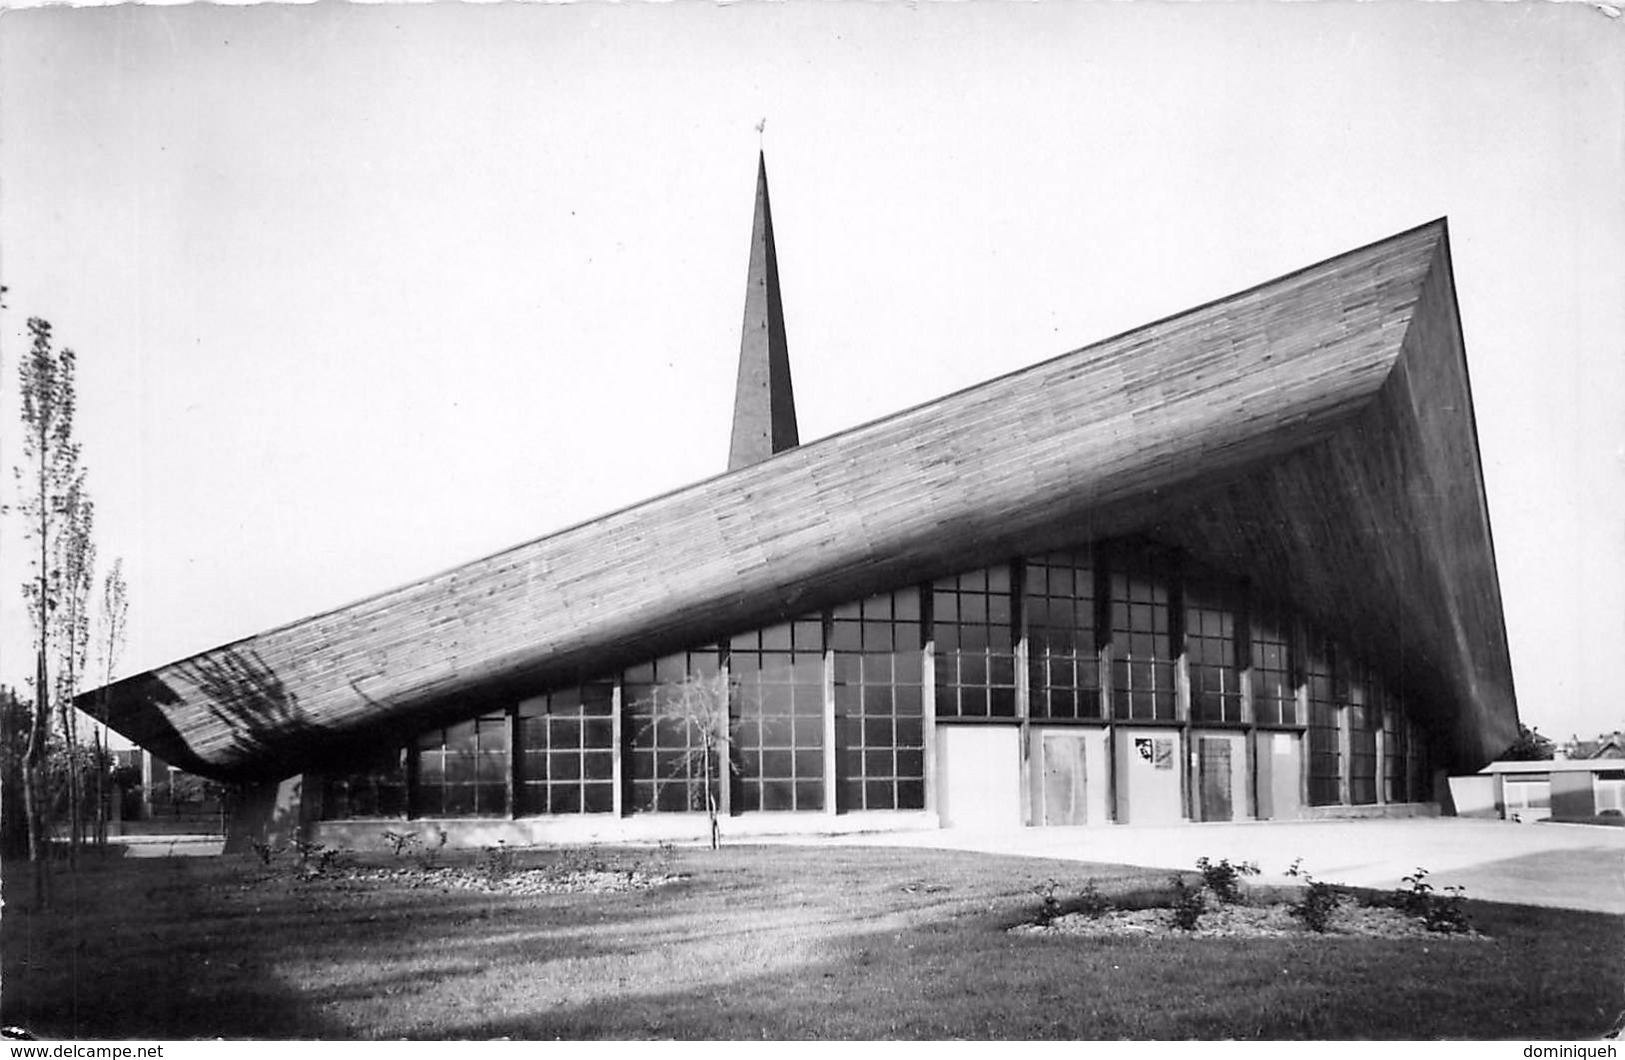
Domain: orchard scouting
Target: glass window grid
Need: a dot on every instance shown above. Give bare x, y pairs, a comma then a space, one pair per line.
972, 628
1275, 696
566, 761
566, 764
1325, 749
1393, 746
777, 712
1416, 762
665, 759
1212, 648
1142, 648
879, 710
1363, 724
1063, 655
463, 770
376, 789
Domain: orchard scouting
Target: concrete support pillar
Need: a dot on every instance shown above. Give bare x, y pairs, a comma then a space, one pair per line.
272, 813
617, 759
928, 706
831, 755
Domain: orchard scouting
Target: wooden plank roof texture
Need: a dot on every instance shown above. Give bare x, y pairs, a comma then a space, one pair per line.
1120, 436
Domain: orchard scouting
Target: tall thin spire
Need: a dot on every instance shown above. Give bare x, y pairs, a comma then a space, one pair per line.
764, 402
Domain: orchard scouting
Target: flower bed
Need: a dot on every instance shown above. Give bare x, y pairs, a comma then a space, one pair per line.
1274, 920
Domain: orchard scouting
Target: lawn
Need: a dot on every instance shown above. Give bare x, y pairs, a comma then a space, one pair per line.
750, 942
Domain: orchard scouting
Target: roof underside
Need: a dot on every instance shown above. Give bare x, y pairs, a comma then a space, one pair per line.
1313, 434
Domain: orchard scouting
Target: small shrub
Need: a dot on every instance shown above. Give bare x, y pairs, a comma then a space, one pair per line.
1446, 915
402, 842
1224, 879
1188, 904
1049, 907
264, 851
1317, 906
1441, 913
1318, 903
318, 859
1093, 904
498, 863
1417, 895
580, 861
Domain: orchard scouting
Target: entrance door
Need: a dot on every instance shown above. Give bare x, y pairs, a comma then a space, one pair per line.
1064, 790
1213, 778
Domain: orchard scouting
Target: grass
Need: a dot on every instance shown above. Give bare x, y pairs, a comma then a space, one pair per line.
777, 942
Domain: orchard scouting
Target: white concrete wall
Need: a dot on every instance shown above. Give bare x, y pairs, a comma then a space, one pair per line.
979, 776
1146, 794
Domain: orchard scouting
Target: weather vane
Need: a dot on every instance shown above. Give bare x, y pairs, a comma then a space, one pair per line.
761, 131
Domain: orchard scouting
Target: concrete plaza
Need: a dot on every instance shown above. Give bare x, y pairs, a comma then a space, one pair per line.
1567, 866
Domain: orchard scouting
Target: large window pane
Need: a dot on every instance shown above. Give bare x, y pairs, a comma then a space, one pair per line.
880, 757
1142, 645
1063, 661
975, 644
1275, 699
669, 755
566, 742
375, 789
463, 769
1212, 647
778, 706
1325, 748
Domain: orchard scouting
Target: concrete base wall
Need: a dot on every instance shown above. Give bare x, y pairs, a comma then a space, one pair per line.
466, 832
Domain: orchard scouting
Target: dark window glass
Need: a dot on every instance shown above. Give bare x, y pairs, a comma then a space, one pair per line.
1393, 744
777, 707
376, 789
975, 645
1212, 648
1142, 646
1416, 762
1364, 720
566, 742
1325, 752
668, 752
1063, 661
463, 770
880, 756
1275, 700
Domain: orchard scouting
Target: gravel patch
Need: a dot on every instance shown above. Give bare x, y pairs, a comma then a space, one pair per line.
521, 881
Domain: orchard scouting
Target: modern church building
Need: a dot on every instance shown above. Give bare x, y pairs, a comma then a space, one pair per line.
1235, 564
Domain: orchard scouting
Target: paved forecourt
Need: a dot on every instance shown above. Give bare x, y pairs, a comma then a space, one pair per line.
1567, 866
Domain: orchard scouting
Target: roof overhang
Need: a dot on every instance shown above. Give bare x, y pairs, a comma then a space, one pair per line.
1313, 434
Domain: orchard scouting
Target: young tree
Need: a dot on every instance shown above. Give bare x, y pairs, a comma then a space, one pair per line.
51, 483
115, 611
76, 554
700, 703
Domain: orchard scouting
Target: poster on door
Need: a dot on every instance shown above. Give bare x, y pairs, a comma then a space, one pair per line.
1156, 750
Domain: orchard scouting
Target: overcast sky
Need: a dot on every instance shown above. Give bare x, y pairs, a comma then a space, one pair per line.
361, 293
